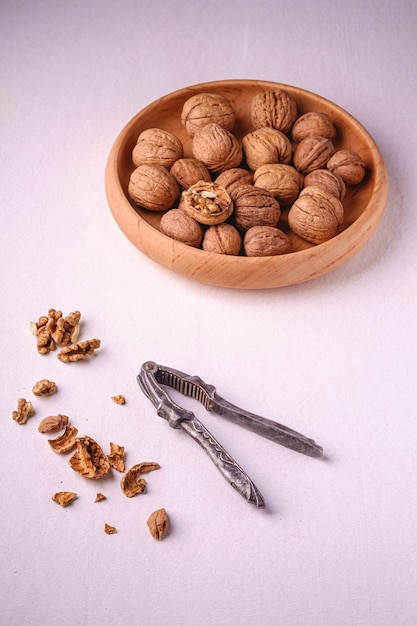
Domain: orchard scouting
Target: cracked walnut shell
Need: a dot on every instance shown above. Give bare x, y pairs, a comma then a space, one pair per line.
89, 459
116, 458
266, 241
65, 442
266, 145
274, 108
207, 203
217, 148
64, 498
131, 483
157, 147
153, 187
316, 215
207, 108
182, 227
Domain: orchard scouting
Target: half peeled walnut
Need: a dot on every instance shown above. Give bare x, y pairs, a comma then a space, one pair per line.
207, 203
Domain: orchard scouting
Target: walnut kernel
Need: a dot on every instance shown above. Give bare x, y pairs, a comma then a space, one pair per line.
44, 388
100, 497
55, 330
23, 412
110, 530
119, 399
53, 423
79, 351
158, 524
207, 203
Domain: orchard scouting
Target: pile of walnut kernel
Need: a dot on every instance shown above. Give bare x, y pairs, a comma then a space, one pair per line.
245, 196
87, 458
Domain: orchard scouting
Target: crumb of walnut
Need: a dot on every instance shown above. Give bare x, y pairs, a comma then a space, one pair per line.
110, 530
23, 412
158, 524
44, 388
119, 399
64, 498
78, 351
100, 497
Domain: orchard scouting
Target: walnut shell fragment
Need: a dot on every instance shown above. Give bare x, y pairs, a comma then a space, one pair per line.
207, 203
155, 146
158, 524
23, 412
79, 351
64, 498
131, 484
274, 108
110, 530
65, 442
217, 148
207, 108
100, 497
53, 423
44, 388
89, 459
116, 458
119, 399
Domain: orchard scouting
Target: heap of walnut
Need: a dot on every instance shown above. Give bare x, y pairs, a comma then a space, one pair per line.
245, 196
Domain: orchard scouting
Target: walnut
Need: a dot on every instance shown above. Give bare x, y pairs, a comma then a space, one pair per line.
79, 351
158, 524
217, 148
312, 153
110, 530
23, 412
131, 484
313, 123
207, 203
283, 181
153, 187
316, 215
266, 241
348, 165
222, 239
207, 108
55, 330
266, 145
53, 423
100, 497
274, 108
180, 226
89, 459
233, 178
65, 442
255, 206
44, 387
328, 181
119, 399
64, 498
116, 458
188, 171
157, 147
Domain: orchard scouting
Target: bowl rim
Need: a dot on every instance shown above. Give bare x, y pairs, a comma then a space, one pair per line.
277, 271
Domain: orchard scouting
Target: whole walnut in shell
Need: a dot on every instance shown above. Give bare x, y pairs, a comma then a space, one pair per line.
255, 206
157, 147
348, 165
188, 171
266, 241
233, 178
275, 108
207, 108
316, 215
283, 181
326, 180
312, 153
181, 227
153, 187
266, 145
222, 239
313, 123
217, 148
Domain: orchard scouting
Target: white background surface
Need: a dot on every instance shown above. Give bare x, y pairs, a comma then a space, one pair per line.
333, 358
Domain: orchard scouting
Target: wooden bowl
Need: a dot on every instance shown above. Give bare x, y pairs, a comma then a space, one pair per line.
364, 204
